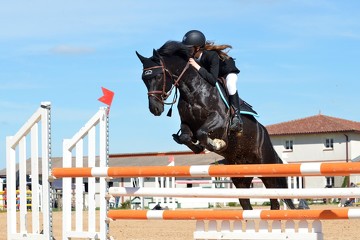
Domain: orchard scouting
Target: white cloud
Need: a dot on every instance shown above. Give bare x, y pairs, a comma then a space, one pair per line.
68, 49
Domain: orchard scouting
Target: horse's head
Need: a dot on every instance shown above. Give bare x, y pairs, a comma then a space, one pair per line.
158, 81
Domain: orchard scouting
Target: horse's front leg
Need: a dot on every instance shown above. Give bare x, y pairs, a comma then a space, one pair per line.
186, 137
214, 123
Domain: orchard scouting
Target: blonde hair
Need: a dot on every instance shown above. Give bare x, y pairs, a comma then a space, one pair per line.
219, 49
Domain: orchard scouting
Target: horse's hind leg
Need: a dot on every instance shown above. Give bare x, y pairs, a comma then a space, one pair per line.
283, 183
274, 204
243, 183
271, 183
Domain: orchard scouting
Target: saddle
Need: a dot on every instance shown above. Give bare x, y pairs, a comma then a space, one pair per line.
245, 108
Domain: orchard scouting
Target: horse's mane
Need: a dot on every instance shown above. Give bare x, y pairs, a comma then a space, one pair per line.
174, 48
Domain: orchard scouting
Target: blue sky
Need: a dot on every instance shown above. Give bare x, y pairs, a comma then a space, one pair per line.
297, 58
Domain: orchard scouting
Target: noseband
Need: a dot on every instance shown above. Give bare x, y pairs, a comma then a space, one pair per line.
175, 83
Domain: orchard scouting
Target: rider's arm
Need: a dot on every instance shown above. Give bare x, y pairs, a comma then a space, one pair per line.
210, 70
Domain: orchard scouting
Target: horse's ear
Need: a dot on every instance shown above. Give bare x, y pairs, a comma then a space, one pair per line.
156, 54
142, 59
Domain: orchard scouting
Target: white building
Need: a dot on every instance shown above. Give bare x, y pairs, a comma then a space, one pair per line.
317, 138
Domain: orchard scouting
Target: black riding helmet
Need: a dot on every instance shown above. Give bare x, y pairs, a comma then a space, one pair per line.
194, 38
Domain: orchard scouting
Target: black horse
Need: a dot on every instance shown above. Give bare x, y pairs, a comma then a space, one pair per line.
205, 116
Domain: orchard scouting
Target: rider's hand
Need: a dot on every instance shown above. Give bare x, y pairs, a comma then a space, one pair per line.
194, 64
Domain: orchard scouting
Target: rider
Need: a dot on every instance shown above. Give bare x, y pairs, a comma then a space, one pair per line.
212, 62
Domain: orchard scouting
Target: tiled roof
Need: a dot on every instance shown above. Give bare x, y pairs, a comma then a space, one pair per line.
314, 124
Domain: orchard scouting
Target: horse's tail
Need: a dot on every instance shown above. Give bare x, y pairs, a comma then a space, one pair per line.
281, 181
266, 137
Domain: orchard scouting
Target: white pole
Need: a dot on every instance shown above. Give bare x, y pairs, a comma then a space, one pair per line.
167, 185
79, 197
104, 160
35, 179
142, 201
66, 191
162, 188
22, 185
10, 187
237, 192
157, 185
91, 181
173, 200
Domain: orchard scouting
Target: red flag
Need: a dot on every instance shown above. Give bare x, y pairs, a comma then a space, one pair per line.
171, 158
107, 97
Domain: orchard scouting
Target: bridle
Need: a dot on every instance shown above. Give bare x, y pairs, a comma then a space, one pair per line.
162, 95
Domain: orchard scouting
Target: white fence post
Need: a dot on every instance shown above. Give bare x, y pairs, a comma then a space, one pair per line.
77, 143
18, 143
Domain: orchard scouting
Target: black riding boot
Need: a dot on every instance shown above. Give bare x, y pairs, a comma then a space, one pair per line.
236, 122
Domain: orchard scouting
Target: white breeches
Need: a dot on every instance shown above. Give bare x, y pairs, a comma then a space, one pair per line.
231, 80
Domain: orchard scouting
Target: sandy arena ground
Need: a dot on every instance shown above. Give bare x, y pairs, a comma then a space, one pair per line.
183, 230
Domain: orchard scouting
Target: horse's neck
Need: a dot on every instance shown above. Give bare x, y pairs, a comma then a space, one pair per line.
184, 73
194, 89
190, 82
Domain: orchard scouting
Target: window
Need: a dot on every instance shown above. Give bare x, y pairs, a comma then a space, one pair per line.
295, 182
330, 182
289, 145
329, 143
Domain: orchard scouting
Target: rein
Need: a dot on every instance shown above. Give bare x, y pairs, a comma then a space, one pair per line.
175, 83
181, 74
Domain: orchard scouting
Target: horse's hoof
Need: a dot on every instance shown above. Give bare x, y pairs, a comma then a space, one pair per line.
176, 138
197, 149
218, 144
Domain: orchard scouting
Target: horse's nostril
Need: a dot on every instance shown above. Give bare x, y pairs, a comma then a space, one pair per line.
157, 111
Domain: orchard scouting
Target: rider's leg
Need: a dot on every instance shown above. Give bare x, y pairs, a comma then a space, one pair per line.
236, 122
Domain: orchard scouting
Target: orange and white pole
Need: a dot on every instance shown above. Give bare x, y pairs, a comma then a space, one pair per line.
334, 214
259, 170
